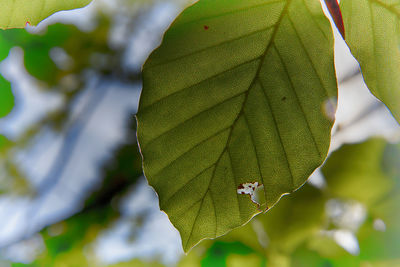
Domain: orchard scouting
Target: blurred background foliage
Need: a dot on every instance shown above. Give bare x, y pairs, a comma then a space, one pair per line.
347, 215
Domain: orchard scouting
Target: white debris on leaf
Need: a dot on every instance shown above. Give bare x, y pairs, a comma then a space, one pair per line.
249, 189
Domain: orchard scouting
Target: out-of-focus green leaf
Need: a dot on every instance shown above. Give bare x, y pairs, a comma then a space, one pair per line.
247, 235
15, 264
278, 259
295, 219
12, 181
66, 241
391, 163
363, 172
218, 253
304, 257
382, 244
251, 260
4, 46
37, 48
3, 141
6, 97
355, 172
379, 245
77, 258
19, 13
81, 228
39, 64
372, 33
326, 247
235, 94
384, 263
137, 263
192, 259
37, 51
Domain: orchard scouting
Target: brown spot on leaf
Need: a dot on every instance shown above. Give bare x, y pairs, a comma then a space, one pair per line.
206, 27
284, 98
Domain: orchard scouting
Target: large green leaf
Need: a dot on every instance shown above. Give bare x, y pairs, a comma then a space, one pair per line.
18, 13
235, 94
372, 33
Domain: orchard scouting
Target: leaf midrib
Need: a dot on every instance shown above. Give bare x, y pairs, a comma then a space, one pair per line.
246, 93
256, 77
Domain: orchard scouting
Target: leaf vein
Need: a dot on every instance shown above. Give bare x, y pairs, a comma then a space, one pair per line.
313, 19
262, 57
298, 101
215, 212
196, 115
195, 219
191, 148
210, 47
234, 180
186, 183
309, 58
255, 151
199, 82
263, 89
230, 12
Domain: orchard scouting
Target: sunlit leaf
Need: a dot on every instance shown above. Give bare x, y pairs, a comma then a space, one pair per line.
372, 33
235, 94
19, 13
